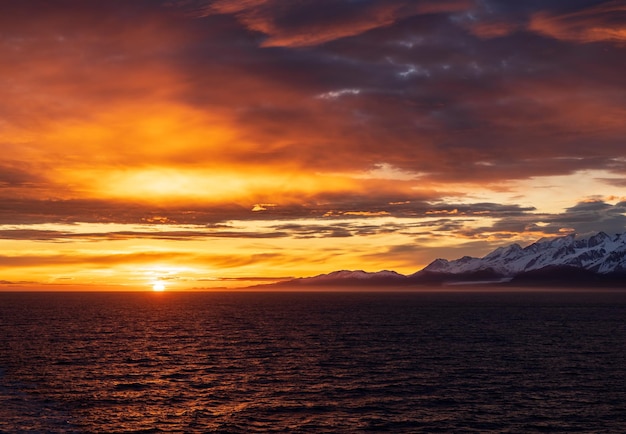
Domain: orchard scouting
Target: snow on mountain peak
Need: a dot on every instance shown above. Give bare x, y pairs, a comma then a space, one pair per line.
356, 274
599, 253
438, 265
505, 252
599, 238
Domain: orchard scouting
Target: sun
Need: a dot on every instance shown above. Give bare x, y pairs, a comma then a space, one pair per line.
158, 287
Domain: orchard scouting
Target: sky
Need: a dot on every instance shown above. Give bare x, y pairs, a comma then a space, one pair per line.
198, 144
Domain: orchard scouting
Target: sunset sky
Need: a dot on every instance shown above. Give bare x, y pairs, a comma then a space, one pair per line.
223, 143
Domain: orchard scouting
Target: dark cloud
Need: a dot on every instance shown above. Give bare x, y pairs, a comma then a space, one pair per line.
175, 235
19, 282
435, 99
593, 216
11, 176
314, 22
37, 211
583, 218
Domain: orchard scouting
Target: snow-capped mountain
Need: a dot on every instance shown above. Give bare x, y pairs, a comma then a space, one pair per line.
596, 259
600, 254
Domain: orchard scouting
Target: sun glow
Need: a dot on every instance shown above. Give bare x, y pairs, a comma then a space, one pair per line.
175, 183
158, 287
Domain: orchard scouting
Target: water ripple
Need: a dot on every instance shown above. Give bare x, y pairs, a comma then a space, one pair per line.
306, 363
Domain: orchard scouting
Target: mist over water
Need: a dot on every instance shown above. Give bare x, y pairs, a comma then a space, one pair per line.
313, 362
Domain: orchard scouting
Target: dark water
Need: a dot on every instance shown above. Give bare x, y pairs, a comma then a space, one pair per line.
313, 362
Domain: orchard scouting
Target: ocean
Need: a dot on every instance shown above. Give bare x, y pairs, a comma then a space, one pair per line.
350, 362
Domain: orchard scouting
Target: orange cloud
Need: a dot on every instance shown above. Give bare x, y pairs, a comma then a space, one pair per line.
601, 23
493, 29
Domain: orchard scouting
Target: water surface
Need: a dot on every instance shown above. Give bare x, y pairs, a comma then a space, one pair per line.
313, 362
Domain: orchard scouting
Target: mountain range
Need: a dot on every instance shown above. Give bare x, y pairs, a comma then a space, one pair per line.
599, 259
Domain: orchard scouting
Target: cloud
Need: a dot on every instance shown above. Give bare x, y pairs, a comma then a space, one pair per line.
494, 29
38, 211
109, 261
11, 176
621, 182
19, 282
603, 22
15, 261
585, 217
249, 279
316, 22
385, 200
173, 235
345, 220
161, 80
593, 216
